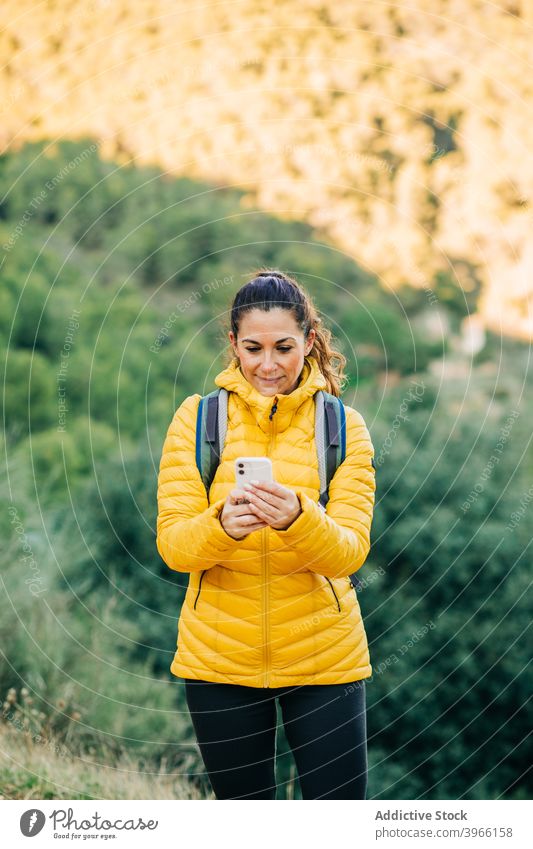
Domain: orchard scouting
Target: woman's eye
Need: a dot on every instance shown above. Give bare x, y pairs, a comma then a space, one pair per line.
283, 350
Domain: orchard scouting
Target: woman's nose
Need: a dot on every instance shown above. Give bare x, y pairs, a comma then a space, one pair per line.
268, 363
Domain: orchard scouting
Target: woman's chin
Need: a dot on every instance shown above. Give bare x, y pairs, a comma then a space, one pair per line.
267, 387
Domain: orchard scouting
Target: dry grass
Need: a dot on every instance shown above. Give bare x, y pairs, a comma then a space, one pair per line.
34, 770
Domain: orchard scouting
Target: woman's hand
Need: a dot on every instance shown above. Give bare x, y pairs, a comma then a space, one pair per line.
236, 518
273, 503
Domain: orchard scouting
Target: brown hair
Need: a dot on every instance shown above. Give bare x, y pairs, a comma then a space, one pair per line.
269, 289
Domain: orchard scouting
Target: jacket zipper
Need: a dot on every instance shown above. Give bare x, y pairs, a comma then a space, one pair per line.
334, 593
199, 588
266, 569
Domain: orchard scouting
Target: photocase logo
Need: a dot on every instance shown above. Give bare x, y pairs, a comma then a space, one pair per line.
32, 822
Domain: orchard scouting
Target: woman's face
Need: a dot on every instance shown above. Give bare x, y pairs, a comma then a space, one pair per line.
271, 349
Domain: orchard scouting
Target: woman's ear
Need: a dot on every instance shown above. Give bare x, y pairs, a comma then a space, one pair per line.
233, 343
310, 341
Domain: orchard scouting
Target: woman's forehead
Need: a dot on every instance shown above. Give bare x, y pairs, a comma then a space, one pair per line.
276, 321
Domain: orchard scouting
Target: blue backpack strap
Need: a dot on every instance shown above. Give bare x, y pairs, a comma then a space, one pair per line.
334, 448
335, 437
330, 437
210, 434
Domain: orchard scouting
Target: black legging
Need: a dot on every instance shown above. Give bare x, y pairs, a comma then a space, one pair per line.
325, 726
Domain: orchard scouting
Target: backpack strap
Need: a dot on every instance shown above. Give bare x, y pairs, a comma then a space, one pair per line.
211, 428
330, 439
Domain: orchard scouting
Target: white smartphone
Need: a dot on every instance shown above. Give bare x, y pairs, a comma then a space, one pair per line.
253, 468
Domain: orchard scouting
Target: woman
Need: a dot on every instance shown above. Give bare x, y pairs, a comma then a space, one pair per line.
270, 612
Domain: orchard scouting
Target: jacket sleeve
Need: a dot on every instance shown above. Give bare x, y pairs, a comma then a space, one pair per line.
190, 537
336, 542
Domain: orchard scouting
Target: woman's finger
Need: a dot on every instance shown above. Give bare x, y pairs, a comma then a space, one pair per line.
254, 523
265, 498
237, 493
272, 511
277, 490
265, 511
237, 496
238, 502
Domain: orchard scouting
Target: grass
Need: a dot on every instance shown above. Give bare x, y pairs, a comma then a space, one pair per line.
36, 770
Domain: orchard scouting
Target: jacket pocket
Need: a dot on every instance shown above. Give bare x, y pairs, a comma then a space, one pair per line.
199, 588
334, 593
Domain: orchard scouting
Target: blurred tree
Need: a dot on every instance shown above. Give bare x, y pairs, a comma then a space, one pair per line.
449, 699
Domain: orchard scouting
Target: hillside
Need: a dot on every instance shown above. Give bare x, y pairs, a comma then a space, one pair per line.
401, 133
88, 627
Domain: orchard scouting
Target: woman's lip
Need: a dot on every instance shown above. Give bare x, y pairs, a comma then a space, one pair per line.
270, 379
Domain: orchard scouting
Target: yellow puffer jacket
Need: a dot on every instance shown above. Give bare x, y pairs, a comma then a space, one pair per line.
275, 608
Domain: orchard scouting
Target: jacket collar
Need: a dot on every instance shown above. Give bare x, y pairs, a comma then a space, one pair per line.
311, 380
